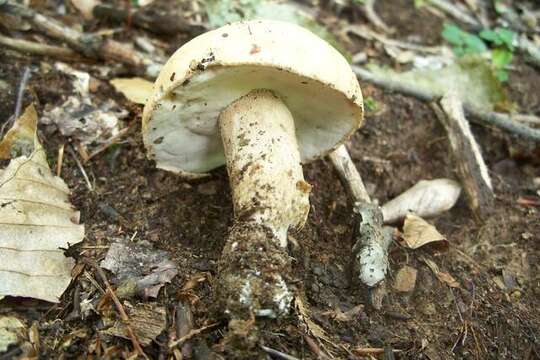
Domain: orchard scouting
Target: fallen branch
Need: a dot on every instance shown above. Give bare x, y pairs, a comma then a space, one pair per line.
149, 19
35, 48
456, 12
500, 120
90, 45
471, 168
371, 14
367, 34
189, 335
278, 354
372, 241
118, 304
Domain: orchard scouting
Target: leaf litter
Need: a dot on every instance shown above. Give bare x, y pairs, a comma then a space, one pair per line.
138, 268
38, 221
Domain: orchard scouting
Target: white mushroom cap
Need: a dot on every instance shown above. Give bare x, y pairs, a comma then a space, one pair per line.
211, 71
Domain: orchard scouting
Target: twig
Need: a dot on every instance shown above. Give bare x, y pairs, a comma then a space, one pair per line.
149, 19
35, 48
366, 33
60, 159
111, 141
470, 164
90, 45
370, 249
81, 168
20, 92
349, 175
456, 12
371, 14
278, 354
18, 101
184, 324
500, 120
189, 335
530, 48
315, 348
118, 304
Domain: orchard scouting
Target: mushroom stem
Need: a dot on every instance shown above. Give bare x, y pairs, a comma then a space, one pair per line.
270, 197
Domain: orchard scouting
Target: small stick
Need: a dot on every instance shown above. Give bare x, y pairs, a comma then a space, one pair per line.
277, 353
81, 168
366, 33
117, 303
500, 120
165, 24
456, 12
90, 45
111, 141
35, 48
371, 14
20, 92
349, 175
189, 335
471, 167
372, 241
18, 101
184, 325
60, 160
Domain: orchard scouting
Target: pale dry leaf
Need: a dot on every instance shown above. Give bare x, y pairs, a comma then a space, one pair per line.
442, 276
448, 279
417, 232
146, 320
85, 7
11, 332
426, 199
405, 279
83, 116
37, 219
136, 89
304, 315
147, 268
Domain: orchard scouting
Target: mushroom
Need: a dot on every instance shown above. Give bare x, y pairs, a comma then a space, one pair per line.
261, 97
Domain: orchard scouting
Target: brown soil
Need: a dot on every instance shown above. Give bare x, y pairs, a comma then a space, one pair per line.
399, 145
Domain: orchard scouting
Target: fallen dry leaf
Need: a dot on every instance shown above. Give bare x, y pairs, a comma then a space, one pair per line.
146, 320
417, 232
442, 276
37, 218
304, 315
137, 90
82, 116
147, 268
86, 7
405, 279
426, 199
12, 330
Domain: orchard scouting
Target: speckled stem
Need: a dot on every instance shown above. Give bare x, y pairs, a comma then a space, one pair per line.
270, 197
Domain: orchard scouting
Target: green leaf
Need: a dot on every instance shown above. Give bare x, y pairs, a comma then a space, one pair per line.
371, 104
490, 35
507, 37
452, 34
471, 77
473, 44
419, 3
464, 42
501, 57
502, 75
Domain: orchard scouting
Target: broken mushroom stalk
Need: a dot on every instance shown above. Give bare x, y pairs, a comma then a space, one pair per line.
261, 97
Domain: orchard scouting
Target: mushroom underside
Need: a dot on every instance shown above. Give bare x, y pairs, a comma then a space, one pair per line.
182, 134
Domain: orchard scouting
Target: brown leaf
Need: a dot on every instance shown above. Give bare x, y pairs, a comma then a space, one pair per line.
448, 279
417, 232
405, 279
